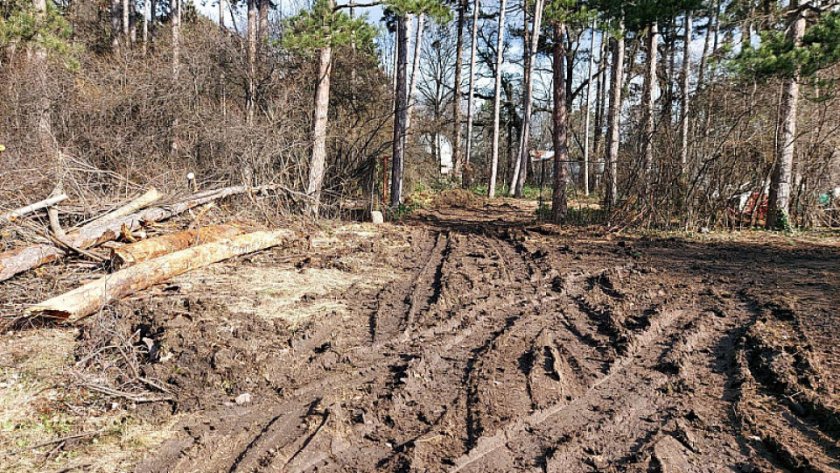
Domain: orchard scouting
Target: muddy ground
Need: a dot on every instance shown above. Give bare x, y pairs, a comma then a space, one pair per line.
470, 338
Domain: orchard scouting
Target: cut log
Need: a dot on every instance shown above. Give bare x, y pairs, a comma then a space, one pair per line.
16, 261
17, 213
134, 253
83, 301
148, 198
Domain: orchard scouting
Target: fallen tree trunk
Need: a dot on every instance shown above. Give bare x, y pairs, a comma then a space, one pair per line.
16, 261
88, 299
148, 198
153, 247
17, 213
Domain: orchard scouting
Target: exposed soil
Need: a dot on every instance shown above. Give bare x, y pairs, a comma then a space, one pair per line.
470, 338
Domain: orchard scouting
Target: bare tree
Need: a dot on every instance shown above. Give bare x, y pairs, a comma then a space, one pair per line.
586, 121
686, 81
497, 93
176, 39
415, 70
614, 119
456, 103
520, 169
250, 96
319, 130
399, 113
466, 174
648, 103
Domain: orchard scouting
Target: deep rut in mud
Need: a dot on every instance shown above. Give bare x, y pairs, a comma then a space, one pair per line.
502, 347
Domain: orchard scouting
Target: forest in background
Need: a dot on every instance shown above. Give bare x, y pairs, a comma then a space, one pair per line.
681, 114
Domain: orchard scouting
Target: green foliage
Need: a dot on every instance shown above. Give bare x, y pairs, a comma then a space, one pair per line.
323, 26
434, 9
21, 24
777, 56
569, 12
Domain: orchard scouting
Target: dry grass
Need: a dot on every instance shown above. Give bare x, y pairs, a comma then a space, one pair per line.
48, 424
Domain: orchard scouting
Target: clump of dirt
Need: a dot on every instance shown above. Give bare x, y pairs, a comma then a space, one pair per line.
458, 198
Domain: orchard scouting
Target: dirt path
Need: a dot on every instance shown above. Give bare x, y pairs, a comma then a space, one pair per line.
505, 346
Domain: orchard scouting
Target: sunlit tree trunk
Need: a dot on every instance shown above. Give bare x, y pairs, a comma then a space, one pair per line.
415, 69
399, 114
686, 80
586, 121
176, 39
559, 115
600, 108
520, 170
319, 131
126, 20
466, 176
780, 183
116, 24
648, 103
456, 103
497, 94
250, 99
614, 120
147, 17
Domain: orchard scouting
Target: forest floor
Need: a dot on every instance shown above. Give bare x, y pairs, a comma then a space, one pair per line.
468, 337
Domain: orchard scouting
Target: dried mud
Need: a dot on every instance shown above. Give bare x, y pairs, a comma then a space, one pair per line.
496, 344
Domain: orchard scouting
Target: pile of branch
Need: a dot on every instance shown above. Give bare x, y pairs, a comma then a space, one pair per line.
140, 264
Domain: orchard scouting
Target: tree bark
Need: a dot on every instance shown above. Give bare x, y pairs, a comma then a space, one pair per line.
466, 174
263, 9
456, 102
129, 255
83, 301
415, 70
116, 24
176, 39
778, 211
399, 114
559, 206
126, 20
648, 103
318, 159
147, 15
614, 120
686, 81
250, 97
586, 122
494, 160
600, 109
520, 170
141, 202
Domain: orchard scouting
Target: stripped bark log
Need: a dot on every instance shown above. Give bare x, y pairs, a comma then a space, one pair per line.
148, 198
17, 213
16, 261
83, 301
134, 253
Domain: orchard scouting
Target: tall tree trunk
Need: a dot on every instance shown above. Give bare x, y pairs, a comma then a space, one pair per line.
686, 81
116, 25
222, 75
466, 174
415, 70
560, 120
497, 94
600, 109
250, 99
147, 15
126, 20
319, 131
263, 9
176, 39
648, 103
586, 121
399, 114
38, 56
778, 211
520, 170
614, 120
132, 22
456, 103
